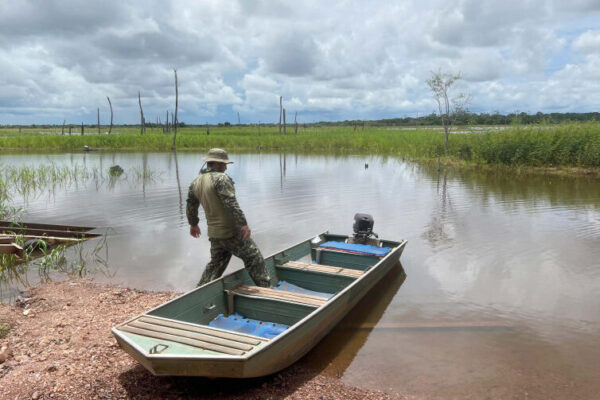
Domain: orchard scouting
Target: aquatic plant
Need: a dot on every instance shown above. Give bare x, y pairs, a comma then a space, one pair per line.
30, 181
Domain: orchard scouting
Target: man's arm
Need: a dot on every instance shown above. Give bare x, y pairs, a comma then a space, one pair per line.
191, 212
226, 192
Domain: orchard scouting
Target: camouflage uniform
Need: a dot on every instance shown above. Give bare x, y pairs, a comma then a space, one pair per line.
221, 249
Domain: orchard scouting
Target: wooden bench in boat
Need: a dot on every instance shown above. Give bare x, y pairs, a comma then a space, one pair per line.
269, 293
200, 336
327, 269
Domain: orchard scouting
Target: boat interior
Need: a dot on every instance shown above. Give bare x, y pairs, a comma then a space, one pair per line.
233, 316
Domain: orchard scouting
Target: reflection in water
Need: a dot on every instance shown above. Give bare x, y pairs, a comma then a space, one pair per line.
337, 350
509, 262
181, 212
439, 230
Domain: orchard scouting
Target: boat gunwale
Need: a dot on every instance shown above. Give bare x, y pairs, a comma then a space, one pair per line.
329, 302
260, 348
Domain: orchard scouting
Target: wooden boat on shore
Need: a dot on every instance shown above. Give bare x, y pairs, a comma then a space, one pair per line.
231, 328
52, 235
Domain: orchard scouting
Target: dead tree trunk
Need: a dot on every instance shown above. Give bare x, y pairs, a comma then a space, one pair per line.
238, 117
167, 129
82, 129
284, 124
296, 123
207, 129
280, 111
111, 115
70, 129
98, 120
142, 120
63, 127
176, 104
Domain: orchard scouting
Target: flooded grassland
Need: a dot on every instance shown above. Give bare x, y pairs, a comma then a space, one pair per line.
502, 290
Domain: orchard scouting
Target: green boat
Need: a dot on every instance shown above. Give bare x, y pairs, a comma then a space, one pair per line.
232, 328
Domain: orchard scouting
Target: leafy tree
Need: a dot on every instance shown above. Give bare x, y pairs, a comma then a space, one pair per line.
440, 84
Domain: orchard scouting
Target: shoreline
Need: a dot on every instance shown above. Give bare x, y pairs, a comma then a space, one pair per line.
59, 346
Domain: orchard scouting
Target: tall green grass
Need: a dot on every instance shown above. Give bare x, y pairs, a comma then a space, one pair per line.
569, 144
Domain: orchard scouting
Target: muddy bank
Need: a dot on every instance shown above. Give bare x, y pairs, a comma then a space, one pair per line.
59, 346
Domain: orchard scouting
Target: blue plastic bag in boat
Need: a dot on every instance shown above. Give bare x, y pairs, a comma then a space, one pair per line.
365, 249
238, 323
289, 287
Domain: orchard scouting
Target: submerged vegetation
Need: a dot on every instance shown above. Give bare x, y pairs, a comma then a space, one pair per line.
571, 144
29, 181
73, 258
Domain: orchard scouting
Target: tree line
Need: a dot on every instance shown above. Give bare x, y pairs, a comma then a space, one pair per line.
470, 118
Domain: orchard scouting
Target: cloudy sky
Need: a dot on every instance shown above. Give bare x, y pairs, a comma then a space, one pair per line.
330, 60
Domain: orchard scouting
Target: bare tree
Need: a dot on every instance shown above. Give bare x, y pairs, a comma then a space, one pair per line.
142, 120
280, 111
296, 122
440, 85
63, 127
176, 104
98, 120
167, 129
111, 115
284, 124
82, 129
238, 113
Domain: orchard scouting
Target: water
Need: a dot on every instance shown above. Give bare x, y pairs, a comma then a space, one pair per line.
502, 294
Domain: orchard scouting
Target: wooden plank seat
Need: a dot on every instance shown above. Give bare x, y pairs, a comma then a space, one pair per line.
11, 248
315, 301
328, 269
199, 336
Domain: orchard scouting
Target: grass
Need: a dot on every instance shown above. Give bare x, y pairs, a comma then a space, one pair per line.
569, 144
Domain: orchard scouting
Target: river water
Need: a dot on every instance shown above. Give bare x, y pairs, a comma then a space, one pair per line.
502, 291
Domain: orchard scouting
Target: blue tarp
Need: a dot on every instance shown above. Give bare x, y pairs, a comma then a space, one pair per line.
238, 323
357, 248
289, 287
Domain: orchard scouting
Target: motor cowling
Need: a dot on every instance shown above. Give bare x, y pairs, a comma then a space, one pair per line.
363, 227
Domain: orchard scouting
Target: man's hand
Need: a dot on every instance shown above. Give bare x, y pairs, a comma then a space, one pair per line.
245, 231
195, 231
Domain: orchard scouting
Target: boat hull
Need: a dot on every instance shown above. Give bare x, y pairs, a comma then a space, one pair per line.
281, 351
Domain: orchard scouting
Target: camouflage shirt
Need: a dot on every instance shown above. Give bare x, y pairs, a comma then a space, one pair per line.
225, 190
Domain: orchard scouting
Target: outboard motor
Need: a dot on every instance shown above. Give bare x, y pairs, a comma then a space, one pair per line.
363, 228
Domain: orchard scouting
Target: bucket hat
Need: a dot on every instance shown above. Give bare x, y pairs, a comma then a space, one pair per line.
217, 155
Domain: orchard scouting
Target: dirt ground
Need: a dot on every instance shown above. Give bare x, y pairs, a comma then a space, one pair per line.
60, 347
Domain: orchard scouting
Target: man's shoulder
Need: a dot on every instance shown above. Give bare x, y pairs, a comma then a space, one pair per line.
220, 179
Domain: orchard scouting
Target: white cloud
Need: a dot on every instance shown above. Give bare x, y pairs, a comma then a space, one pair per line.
588, 42
368, 59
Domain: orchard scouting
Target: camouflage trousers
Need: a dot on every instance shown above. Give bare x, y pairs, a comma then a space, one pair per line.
221, 251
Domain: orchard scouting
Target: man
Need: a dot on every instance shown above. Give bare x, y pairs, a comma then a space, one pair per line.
228, 230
